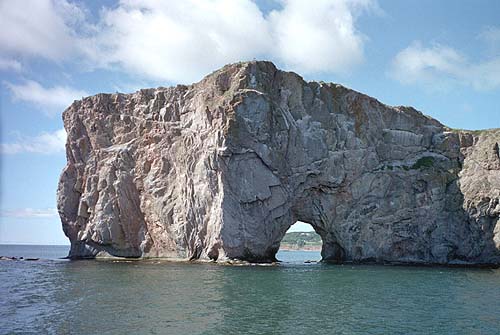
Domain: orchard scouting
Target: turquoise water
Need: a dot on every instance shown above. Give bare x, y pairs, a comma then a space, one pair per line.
150, 297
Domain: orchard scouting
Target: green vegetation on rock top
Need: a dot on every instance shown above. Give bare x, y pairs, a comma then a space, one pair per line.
475, 132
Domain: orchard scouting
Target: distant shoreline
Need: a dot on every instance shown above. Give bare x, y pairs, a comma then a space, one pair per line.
288, 247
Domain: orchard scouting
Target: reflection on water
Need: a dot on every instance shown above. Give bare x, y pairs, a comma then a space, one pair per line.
298, 256
150, 297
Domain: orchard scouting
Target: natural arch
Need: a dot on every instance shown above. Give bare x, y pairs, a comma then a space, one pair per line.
256, 230
331, 249
300, 237
222, 168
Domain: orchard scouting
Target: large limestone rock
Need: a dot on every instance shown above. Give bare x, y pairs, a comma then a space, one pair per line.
222, 168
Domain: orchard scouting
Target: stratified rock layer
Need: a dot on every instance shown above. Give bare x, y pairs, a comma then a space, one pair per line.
222, 168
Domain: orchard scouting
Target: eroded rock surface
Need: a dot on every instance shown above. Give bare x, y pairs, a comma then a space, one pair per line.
222, 168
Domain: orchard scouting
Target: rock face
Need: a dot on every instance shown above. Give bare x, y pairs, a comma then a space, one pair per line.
222, 168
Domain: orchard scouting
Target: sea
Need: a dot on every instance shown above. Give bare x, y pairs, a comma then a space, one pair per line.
298, 296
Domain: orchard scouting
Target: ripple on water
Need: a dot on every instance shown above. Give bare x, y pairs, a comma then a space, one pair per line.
88, 297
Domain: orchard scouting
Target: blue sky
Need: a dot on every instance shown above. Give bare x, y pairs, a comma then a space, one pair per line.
442, 57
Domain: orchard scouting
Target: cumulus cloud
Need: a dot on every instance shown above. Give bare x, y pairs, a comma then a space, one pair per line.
7, 64
40, 28
318, 36
180, 41
441, 67
422, 64
52, 100
45, 143
30, 213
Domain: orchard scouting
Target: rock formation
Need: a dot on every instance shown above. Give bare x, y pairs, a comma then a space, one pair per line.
222, 168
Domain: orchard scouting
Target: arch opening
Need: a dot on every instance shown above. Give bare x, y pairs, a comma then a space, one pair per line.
300, 244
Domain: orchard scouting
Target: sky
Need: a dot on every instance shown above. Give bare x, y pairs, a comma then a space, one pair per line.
441, 57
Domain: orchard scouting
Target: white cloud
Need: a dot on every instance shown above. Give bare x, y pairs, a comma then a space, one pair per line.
417, 64
44, 143
30, 213
51, 100
441, 67
40, 28
485, 75
180, 41
318, 36
7, 64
